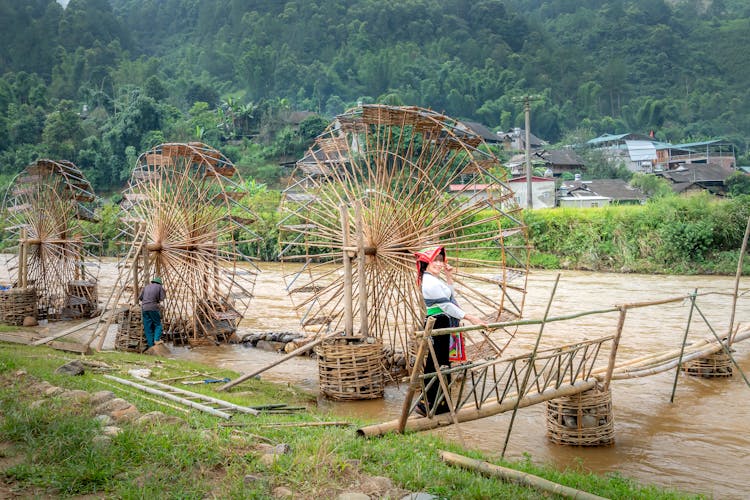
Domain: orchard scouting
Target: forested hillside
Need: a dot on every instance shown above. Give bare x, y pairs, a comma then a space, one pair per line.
229, 72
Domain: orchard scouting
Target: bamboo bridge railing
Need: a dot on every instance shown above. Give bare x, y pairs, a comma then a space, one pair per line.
482, 389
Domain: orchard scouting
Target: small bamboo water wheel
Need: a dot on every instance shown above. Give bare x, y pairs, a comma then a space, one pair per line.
49, 211
381, 183
185, 219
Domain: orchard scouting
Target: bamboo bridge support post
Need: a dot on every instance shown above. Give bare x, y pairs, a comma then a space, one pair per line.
532, 358
361, 263
416, 370
743, 248
447, 393
615, 345
682, 346
724, 346
348, 299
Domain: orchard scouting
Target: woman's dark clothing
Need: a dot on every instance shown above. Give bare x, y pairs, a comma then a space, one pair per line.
441, 344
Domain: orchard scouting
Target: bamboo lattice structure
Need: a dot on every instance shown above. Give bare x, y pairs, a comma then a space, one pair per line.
404, 178
185, 220
48, 209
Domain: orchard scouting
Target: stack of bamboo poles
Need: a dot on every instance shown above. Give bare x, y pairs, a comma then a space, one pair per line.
83, 298
130, 334
16, 304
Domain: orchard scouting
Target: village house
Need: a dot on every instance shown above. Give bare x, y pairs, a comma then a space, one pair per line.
599, 192
696, 177
542, 191
642, 153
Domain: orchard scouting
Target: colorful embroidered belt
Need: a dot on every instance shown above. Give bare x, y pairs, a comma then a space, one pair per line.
434, 311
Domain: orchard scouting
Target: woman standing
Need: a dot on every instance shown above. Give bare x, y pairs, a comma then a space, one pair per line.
440, 300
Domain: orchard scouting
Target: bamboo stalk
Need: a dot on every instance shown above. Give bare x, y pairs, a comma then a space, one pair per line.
530, 364
348, 312
682, 346
416, 370
613, 352
446, 393
361, 271
515, 476
289, 356
737, 279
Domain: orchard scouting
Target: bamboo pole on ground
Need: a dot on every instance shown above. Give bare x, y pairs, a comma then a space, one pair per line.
682, 347
487, 410
415, 372
530, 365
289, 356
737, 279
515, 476
186, 402
224, 404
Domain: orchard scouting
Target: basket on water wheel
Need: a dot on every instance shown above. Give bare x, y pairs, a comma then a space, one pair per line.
351, 368
583, 419
16, 304
130, 336
718, 364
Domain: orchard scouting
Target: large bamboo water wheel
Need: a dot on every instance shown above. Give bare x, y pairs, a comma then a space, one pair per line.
379, 184
185, 220
49, 208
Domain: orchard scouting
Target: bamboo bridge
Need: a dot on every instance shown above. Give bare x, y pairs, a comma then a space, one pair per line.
489, 387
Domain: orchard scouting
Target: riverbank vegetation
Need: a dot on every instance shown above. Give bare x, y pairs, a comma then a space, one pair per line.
698, 234
48, 445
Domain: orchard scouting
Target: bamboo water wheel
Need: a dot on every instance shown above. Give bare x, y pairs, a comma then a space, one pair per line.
185, 220
379, 184
49, 208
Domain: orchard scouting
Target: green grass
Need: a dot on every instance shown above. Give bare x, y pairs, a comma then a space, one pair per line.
56, 455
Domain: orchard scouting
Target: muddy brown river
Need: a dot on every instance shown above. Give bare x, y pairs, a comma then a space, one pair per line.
699, 443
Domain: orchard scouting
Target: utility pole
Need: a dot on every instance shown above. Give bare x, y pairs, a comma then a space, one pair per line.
527, 146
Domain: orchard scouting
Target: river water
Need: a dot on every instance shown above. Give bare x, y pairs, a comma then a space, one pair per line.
697, 444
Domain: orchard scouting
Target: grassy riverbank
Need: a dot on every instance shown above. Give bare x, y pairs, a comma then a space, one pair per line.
48, 445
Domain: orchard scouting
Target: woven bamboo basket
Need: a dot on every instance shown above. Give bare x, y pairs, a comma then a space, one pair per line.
715, 365
16, 304
350, 369
583, 419
83, 299
130, 336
